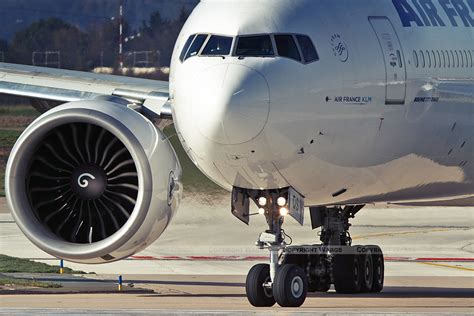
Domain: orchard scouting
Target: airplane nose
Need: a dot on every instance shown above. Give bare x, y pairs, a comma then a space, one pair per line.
231, 104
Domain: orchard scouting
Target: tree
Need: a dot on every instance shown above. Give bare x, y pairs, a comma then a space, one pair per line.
3, 50
3, 45
160, 35
103, 44
97, 45
51, 35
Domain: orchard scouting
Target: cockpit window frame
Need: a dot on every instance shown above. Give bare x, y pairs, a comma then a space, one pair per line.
295, 41
275, 47
210, 35
203, 46
187, 56
236, 45
318, 57
186, 47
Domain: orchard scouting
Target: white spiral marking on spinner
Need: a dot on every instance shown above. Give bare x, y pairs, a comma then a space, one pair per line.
83, 183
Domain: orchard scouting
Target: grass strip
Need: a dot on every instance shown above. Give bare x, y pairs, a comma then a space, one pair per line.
7, 281
8, 137
193, 179
18, 110
18, 265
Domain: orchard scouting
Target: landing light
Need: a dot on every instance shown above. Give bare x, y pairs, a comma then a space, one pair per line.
283, 211
281, 201
262, 201
261, 211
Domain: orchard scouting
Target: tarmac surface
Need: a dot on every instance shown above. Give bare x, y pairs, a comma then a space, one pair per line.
226, 293
200, 262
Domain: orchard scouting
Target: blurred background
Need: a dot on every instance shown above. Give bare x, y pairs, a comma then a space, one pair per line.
85, 35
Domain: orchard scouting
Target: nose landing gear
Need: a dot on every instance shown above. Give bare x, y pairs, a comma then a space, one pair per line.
296, 270
285, 284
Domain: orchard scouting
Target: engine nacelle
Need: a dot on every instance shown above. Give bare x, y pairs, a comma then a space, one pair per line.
93, 181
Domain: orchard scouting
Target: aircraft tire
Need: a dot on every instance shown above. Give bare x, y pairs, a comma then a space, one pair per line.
290, 286
368, 274
257, 294
379, 268
347, 273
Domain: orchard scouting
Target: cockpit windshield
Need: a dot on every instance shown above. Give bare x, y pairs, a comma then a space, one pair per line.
218, 46
297, 47
196, 45
186, 47
260, 46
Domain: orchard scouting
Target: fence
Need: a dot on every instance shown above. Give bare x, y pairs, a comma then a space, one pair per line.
46, 59
142, 59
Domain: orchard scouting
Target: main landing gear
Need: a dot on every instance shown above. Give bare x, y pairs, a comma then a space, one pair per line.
296, 270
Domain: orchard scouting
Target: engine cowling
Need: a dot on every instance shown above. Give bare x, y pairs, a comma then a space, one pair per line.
93, 181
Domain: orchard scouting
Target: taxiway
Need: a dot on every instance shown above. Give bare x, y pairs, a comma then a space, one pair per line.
200, 263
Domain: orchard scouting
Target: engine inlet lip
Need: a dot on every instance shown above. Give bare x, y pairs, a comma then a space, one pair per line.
16, 175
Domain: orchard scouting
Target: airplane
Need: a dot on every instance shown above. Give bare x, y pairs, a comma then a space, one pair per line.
322, 104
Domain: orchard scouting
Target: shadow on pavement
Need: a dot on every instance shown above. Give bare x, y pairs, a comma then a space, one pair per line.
389, 292
190, 283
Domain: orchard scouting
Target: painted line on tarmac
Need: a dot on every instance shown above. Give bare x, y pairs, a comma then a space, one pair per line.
446, 259
264, 258
446, 266
260, 258
408, 232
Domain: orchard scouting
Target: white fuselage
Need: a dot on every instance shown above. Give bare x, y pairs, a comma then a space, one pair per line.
370, 121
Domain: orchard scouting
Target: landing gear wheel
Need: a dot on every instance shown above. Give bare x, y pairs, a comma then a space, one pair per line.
257, 294
379, 268
367, 265
290, 286
347, 273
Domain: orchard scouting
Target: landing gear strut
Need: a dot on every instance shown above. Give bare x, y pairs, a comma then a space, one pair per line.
296, 270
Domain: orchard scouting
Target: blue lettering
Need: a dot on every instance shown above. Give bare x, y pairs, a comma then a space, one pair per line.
426, 13
421, 13
450, 12
432, 12
463, 12
406, 13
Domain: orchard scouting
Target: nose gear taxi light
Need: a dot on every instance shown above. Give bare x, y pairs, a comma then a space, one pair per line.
281, 201
262, 201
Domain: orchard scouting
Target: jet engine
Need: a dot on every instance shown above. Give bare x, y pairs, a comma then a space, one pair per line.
93, 181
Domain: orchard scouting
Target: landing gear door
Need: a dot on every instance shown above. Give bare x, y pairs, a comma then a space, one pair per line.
240, 205
296, 205
393, 57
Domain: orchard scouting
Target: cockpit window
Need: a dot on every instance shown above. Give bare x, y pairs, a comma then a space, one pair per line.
186, 47
307, 48
294, 46
256, 46
286, 47
196, 45
218, 46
